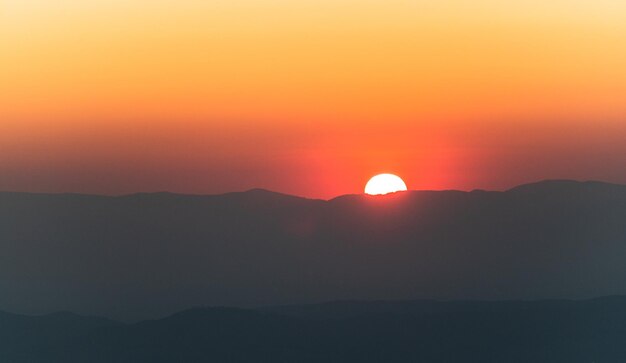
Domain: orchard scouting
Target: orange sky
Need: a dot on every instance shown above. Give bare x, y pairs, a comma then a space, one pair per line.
309, 97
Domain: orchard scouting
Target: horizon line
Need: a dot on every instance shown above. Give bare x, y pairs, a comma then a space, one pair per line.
543, 181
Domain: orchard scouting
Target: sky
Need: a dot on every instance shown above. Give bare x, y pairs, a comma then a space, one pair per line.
309, 97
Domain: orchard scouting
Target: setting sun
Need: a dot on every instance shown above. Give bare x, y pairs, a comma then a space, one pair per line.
383, 184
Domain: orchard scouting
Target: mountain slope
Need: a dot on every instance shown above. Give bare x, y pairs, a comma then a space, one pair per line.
555, 331
148, 255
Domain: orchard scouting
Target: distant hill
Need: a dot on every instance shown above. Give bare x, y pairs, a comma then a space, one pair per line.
555, 331
148, 255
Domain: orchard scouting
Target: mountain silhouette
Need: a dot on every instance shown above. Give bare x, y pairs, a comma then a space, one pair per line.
148, 255
550, 331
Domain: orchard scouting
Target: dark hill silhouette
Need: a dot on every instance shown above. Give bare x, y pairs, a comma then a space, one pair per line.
148, 255
555, 331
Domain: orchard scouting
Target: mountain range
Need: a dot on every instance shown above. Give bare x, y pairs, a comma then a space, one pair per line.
549, 331
148, 255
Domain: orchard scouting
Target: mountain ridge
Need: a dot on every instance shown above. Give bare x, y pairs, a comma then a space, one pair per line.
554, 331
110, 255
264, 191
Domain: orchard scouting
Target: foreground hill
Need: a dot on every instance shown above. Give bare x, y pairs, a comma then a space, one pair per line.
408, 331
148, 255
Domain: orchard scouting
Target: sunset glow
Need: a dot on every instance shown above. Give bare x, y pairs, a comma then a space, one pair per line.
308, 97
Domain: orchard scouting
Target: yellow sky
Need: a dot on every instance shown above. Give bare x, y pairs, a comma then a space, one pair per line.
280, 60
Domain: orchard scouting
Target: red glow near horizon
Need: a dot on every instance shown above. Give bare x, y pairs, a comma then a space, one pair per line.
208, 159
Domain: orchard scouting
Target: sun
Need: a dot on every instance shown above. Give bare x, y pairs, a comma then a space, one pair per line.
383, 184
